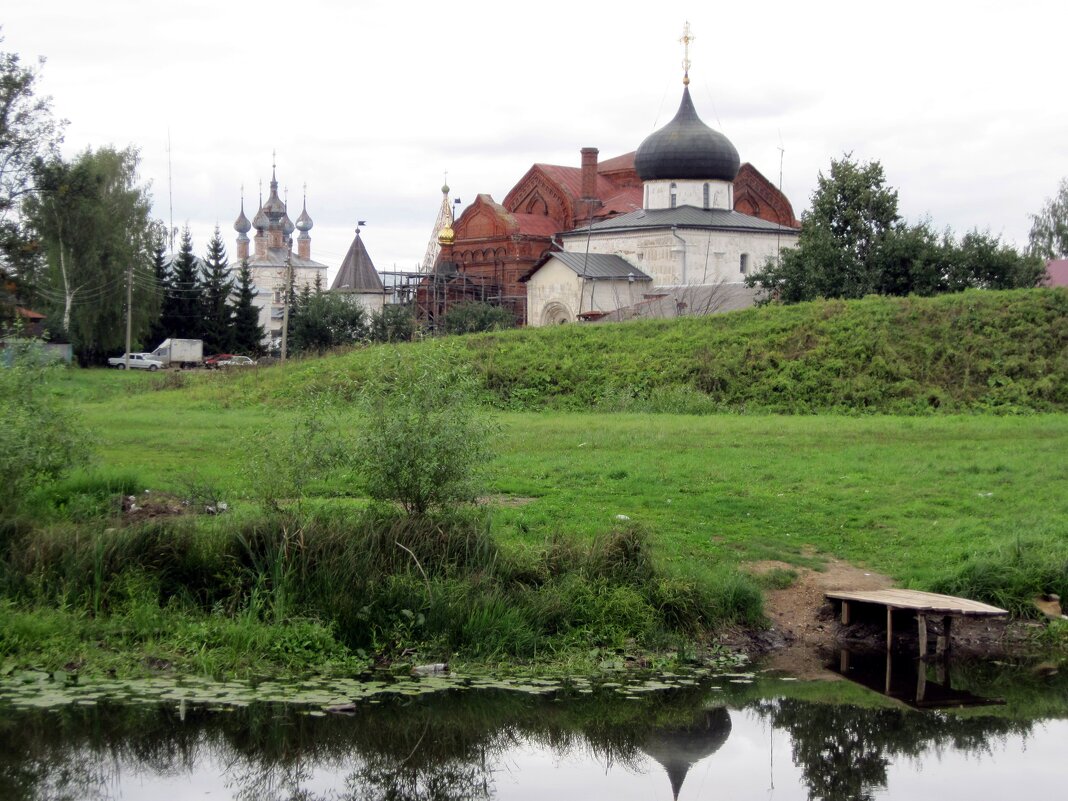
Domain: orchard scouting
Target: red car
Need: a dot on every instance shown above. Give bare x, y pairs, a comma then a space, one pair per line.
212, 362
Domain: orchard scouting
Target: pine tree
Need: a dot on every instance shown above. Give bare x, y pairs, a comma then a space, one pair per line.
246, 333
185, 320
215, 297
162, 279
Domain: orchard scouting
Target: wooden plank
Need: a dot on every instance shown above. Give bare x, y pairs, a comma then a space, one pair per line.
919, 601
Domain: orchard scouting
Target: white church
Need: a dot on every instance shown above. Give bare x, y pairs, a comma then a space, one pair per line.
686, 251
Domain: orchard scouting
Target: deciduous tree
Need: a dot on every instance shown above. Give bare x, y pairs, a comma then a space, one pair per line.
91, 216
28, 133
853, 243
1049, 228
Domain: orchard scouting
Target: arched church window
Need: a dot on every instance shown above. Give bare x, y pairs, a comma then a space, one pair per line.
743, 263
706, 194
674, 194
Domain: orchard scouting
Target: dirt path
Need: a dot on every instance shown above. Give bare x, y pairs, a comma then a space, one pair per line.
798, 614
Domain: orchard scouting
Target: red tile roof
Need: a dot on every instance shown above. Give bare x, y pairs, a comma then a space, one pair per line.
536, 224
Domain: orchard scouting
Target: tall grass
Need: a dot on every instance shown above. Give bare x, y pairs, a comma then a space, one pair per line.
381, 581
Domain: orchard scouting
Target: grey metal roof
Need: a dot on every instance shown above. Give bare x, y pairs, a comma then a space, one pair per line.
686, 148
686, 217
599, 266
276, 257
357, 273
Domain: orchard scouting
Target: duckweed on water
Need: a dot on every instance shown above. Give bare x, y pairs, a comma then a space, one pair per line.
39, 689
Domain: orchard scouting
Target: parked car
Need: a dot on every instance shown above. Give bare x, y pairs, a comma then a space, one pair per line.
212, 362
238, 361
138, 361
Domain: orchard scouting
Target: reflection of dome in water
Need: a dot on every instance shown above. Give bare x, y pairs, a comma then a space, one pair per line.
677, 749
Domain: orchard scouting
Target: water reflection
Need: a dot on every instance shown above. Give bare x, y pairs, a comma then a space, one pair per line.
678, 748
696, 742
919, 683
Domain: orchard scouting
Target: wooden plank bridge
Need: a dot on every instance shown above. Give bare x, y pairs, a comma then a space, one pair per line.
924, 604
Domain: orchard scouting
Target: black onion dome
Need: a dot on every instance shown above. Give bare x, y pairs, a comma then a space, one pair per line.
287, 224
260, 221
686, 148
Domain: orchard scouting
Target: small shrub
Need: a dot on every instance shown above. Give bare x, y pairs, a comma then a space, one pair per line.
474, 317
424, 442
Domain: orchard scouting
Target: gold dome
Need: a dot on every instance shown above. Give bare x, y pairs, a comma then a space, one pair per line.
446, 236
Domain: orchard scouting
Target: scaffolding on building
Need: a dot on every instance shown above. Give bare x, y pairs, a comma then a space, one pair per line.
431, 295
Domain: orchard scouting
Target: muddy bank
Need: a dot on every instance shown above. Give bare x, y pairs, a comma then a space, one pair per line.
804, 632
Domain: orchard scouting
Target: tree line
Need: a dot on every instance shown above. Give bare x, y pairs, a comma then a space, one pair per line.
853, 242
75, 233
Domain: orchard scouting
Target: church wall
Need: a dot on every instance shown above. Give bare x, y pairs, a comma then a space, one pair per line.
699, 258
556, 287
689, 193
270, 282
372, 303
556, 294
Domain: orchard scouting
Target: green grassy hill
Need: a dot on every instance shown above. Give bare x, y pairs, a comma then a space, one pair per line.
975, 351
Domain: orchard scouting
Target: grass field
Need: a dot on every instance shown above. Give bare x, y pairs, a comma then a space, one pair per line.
624, 526
909, 496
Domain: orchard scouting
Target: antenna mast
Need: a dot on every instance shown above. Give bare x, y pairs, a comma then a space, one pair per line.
170, 192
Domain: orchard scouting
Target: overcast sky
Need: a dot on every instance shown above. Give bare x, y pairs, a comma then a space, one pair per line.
370, 102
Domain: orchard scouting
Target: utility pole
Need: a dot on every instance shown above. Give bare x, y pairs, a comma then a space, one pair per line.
129, 312
287, 300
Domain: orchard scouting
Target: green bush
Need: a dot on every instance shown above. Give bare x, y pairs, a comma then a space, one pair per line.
39, 440
473, 317
424, 441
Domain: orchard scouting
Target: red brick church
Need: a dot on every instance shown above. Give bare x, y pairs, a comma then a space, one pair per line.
491, 245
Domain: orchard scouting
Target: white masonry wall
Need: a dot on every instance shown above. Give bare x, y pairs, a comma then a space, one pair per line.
688, 193
555, 294
689, 256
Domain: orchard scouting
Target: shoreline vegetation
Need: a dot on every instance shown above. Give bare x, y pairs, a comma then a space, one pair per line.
311, 517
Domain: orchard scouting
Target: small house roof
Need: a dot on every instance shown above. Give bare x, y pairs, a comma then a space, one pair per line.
593, 266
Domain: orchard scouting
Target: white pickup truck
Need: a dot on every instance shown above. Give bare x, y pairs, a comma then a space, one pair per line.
138, 361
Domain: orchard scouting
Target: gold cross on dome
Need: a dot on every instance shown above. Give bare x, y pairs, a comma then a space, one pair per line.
687, 37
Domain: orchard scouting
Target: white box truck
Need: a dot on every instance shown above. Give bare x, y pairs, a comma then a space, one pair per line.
183, 353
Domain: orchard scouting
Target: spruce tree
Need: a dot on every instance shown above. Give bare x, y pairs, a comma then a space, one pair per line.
246, 333
162, 278
215, 297
185, 321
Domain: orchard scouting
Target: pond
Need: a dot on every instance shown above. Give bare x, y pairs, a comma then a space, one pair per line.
694, 736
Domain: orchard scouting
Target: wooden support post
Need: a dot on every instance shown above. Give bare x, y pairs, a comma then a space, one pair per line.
889, 627
921, 681
843, 661
921, 624
947, 634
845, 613
889, 671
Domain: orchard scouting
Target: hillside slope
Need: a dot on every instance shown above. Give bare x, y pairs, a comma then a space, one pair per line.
974, 351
